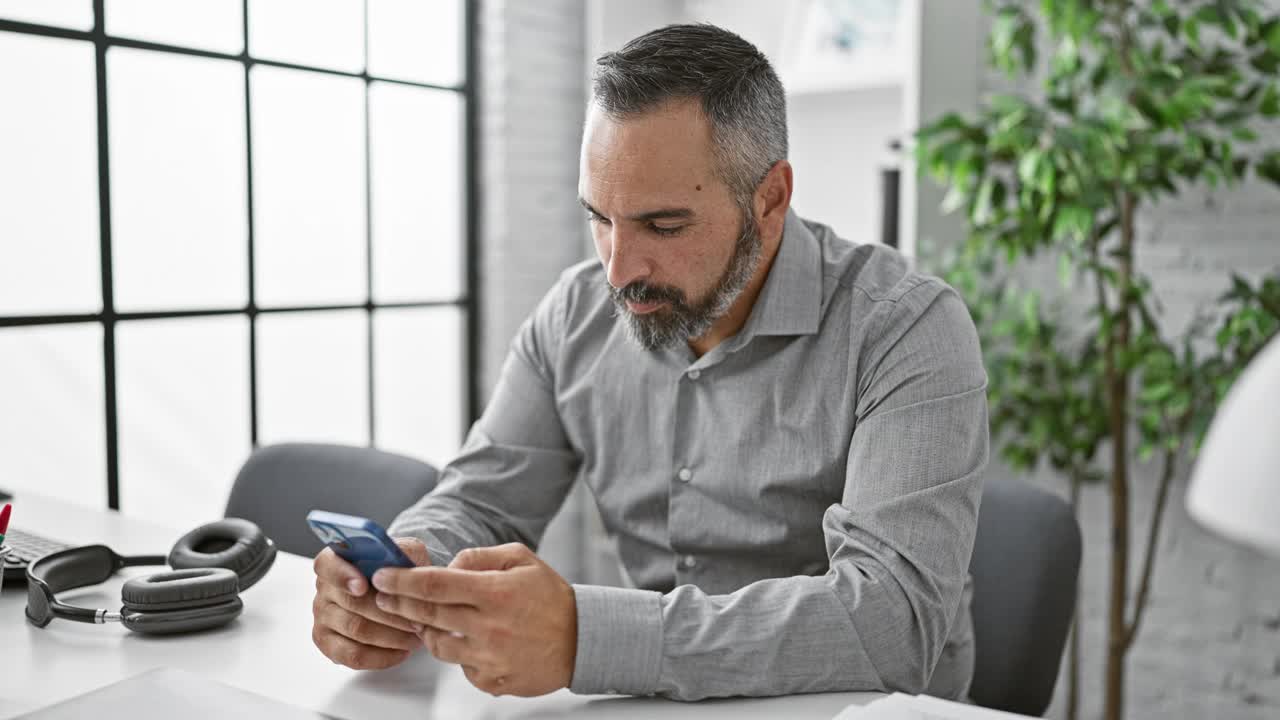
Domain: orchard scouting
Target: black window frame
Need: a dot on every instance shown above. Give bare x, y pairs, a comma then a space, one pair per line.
468, 302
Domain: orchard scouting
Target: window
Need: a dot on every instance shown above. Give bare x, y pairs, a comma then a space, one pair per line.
226, 223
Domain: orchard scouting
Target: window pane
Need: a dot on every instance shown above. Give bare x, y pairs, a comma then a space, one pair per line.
321, 33
308, 187
179, 221
49, 259
77, 14
207, 24
52, 432
418, 40
418, 382
313, 377
183, 400
417, 181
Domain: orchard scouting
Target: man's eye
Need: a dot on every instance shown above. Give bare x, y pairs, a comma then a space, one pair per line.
595, 218
667, 231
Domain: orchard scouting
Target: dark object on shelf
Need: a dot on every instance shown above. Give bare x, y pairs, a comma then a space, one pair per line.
890, 174
889, 206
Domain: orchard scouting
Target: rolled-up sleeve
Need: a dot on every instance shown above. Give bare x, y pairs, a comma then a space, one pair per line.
898, 545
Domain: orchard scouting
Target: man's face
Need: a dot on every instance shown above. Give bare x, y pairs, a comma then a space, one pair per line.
677, 248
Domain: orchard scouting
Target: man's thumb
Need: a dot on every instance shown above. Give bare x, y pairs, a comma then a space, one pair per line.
416, 551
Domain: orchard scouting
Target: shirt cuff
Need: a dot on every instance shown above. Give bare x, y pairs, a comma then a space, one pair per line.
619, 641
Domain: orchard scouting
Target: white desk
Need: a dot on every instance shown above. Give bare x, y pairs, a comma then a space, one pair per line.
268, 649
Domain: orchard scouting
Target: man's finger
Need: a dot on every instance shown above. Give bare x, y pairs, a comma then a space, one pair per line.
451, 648
433, 584
365, 631
416, 551
358, 656
463, 619
332, 569
498, 557
363, 606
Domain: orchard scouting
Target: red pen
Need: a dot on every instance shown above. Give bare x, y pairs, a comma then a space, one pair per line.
4, 521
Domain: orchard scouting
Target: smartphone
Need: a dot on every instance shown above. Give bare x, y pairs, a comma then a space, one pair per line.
359, 541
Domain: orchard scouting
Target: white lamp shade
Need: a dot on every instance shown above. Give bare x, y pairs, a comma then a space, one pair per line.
1235, 486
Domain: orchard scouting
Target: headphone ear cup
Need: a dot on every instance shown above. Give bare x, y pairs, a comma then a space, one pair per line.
232, 543
255, 573
168, 622
181, 601
180, 590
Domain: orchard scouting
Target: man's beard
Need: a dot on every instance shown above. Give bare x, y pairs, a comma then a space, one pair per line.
681, 321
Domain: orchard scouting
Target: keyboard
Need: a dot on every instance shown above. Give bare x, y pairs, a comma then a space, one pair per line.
24, 548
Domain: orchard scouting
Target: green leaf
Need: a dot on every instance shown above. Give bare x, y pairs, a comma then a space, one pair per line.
1269, 106
1098, 78
955, 199
1029, 165
1031, 310
1269, 167
1066, 58
1272, 38
1244, 134
1153, 112
1191, 33
1072, 222
981, 212
1266, 62
1157, 392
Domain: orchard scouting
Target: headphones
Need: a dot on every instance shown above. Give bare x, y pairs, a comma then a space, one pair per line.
212, 565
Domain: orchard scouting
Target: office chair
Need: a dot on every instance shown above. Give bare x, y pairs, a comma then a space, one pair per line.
1025, 566
279, 484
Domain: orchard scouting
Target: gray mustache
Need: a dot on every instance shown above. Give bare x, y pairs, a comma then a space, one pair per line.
643, 293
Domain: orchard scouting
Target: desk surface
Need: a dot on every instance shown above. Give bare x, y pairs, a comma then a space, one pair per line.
268, 649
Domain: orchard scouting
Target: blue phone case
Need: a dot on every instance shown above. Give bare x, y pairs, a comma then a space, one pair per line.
359, 541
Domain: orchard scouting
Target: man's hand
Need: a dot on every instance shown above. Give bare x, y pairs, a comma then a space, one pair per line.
348, 626
501, 613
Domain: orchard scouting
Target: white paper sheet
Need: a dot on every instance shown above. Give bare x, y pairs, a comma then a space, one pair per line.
921, 707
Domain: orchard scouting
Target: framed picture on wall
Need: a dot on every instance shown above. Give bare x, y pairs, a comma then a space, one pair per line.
835, 45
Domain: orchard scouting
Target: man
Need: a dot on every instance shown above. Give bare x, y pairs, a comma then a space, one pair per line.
785, 432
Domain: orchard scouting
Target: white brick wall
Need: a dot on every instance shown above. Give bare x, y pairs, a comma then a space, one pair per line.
531, 104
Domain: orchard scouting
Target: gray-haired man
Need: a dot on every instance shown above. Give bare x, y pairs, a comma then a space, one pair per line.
785, 432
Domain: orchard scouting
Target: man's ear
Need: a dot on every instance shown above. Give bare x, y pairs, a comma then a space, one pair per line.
773, 198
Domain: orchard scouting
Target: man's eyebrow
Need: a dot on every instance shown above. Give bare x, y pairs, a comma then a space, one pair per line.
659, 214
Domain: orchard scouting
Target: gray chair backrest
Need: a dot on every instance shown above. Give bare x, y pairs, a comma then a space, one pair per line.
279, 484
1025, 566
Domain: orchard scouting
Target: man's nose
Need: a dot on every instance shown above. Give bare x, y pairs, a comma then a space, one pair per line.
627, 263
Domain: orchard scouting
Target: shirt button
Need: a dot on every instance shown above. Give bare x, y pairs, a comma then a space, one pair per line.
685, 474
695, 374
689, 561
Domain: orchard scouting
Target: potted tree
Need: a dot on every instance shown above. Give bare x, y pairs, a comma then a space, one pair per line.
1137, 103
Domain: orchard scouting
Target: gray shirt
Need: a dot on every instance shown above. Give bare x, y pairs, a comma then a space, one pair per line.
796, 508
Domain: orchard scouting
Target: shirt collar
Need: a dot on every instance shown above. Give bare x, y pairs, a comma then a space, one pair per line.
790, 303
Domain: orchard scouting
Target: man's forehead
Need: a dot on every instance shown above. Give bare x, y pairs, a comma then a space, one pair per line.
647, 159
671, 135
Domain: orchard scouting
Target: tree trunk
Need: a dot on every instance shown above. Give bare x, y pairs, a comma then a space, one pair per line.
1117, 374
